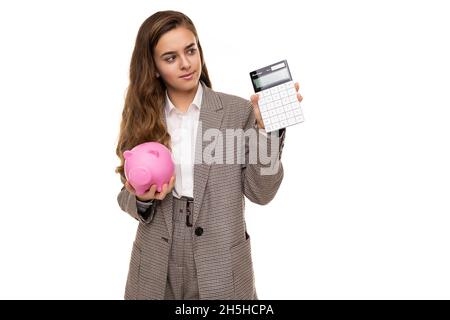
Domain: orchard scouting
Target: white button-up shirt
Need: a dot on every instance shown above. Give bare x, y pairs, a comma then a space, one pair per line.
182, 127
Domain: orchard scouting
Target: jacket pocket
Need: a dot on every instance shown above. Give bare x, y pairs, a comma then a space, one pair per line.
243, 277
132, 286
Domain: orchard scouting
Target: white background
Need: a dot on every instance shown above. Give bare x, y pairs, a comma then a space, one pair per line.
363, 211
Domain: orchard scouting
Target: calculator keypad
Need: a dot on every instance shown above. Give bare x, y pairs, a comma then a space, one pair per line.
279, 107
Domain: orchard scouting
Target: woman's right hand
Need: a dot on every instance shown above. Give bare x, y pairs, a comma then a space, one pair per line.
151, 193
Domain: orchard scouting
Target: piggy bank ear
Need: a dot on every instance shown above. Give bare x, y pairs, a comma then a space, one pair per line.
127, 154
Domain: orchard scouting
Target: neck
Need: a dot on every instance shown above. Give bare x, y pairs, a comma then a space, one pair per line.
182, 99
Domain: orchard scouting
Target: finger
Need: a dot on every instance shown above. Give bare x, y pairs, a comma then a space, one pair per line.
254, 98
163, 192
172, 183
258, 116
151, 192
129, 188
299, 97
297, 86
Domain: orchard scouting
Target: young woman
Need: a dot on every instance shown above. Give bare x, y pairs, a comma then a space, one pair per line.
192, 241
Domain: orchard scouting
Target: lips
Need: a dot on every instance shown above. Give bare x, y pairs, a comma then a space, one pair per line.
187, 75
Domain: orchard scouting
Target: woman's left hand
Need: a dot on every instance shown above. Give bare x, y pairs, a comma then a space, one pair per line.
254, 99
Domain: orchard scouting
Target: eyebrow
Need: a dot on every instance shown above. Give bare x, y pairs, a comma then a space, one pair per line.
187, 47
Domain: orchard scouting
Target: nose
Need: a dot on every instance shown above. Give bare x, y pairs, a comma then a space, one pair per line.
185, 64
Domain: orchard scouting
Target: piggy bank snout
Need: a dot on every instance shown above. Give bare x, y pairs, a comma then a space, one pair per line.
140, 176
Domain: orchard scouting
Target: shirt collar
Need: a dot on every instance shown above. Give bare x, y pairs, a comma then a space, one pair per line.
169, 106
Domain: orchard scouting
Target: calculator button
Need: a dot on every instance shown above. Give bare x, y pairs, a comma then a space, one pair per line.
293, 98
283, 94
285, 100
276, 96
291, 91
297, 111
273, 90
277, 103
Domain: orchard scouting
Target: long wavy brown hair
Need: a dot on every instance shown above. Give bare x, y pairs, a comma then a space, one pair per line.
144, 102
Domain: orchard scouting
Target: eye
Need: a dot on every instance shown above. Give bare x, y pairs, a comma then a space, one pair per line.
169, 59
192, 50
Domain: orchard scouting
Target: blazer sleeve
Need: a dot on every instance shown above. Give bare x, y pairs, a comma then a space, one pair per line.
261, 180
129, 204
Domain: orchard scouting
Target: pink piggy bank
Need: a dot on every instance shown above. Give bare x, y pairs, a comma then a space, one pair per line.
147, 164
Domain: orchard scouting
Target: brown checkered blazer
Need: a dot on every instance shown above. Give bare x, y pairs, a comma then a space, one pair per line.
223, 252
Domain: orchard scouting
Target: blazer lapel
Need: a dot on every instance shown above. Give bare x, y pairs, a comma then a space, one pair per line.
211, 113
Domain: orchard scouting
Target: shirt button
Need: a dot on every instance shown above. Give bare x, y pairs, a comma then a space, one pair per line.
198, 231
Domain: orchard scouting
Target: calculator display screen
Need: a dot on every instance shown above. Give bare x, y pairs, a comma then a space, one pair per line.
273, 77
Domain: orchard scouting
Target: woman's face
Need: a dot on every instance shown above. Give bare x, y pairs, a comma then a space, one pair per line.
176, 54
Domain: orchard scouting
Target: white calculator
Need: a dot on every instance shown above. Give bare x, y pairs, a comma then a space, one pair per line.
278, 101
